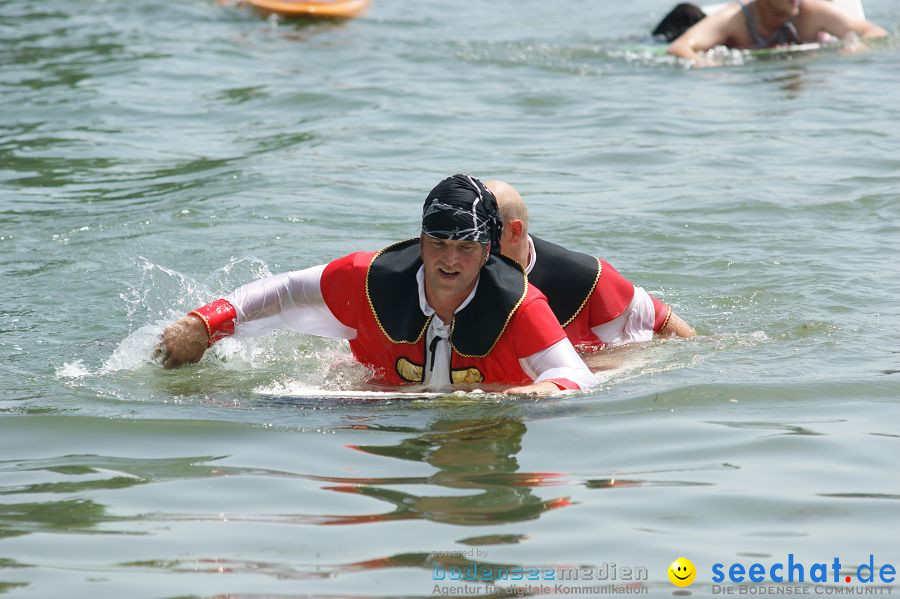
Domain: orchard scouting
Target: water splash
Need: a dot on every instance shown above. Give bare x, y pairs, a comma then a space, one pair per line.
72, 370
134, 351
165, 293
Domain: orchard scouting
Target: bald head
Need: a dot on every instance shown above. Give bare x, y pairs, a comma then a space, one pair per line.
514, 214
509, 201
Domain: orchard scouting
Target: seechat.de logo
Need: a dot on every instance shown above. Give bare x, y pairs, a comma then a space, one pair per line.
682, 572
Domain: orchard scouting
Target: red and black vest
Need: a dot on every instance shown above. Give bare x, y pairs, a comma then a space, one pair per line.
376, 293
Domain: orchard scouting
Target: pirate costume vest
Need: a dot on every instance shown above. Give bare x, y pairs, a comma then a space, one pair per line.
583, 291
376, 293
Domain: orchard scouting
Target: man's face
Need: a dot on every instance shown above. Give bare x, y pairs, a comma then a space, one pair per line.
451, 267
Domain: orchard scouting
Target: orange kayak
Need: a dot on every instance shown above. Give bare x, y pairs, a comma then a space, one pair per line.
328, 9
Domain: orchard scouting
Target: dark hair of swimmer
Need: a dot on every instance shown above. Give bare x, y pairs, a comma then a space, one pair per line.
680, 19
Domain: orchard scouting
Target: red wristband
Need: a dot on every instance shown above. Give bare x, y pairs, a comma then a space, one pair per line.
662, 314
218, 318
564, 384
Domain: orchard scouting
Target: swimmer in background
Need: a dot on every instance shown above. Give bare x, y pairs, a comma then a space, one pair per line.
767, 24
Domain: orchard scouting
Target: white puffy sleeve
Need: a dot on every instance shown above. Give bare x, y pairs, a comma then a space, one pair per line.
561, 364
634, 324
291, 300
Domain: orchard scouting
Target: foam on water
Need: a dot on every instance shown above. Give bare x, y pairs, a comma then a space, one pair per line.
72, 370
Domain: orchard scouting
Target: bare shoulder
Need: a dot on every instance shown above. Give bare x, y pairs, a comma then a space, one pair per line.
718, 28
822, 16
727, 16
733, 26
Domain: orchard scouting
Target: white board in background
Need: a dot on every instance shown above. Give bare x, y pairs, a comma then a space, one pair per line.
854, 7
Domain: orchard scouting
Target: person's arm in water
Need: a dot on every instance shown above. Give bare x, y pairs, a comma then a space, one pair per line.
542, 388
620, 312
677, 327
546, 354
818, 16
182, 342
715, 30
291, 300
557, 368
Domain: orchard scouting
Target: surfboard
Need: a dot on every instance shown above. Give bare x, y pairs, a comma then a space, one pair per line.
304, 391
300, 394
659, 50
321, 9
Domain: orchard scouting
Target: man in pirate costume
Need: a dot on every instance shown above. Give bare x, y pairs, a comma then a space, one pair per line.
595, 304
445, 308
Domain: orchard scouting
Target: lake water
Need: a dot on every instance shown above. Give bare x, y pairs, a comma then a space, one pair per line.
155, 155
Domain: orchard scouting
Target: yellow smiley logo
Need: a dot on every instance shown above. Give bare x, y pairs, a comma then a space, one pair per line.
682, 572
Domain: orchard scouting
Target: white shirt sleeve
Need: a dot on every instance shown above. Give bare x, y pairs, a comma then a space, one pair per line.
292, 300
632, 325
559, 361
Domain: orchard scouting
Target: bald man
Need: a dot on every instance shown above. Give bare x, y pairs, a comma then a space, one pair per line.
594, 303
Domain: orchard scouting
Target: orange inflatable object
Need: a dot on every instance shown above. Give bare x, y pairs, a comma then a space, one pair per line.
327, 9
